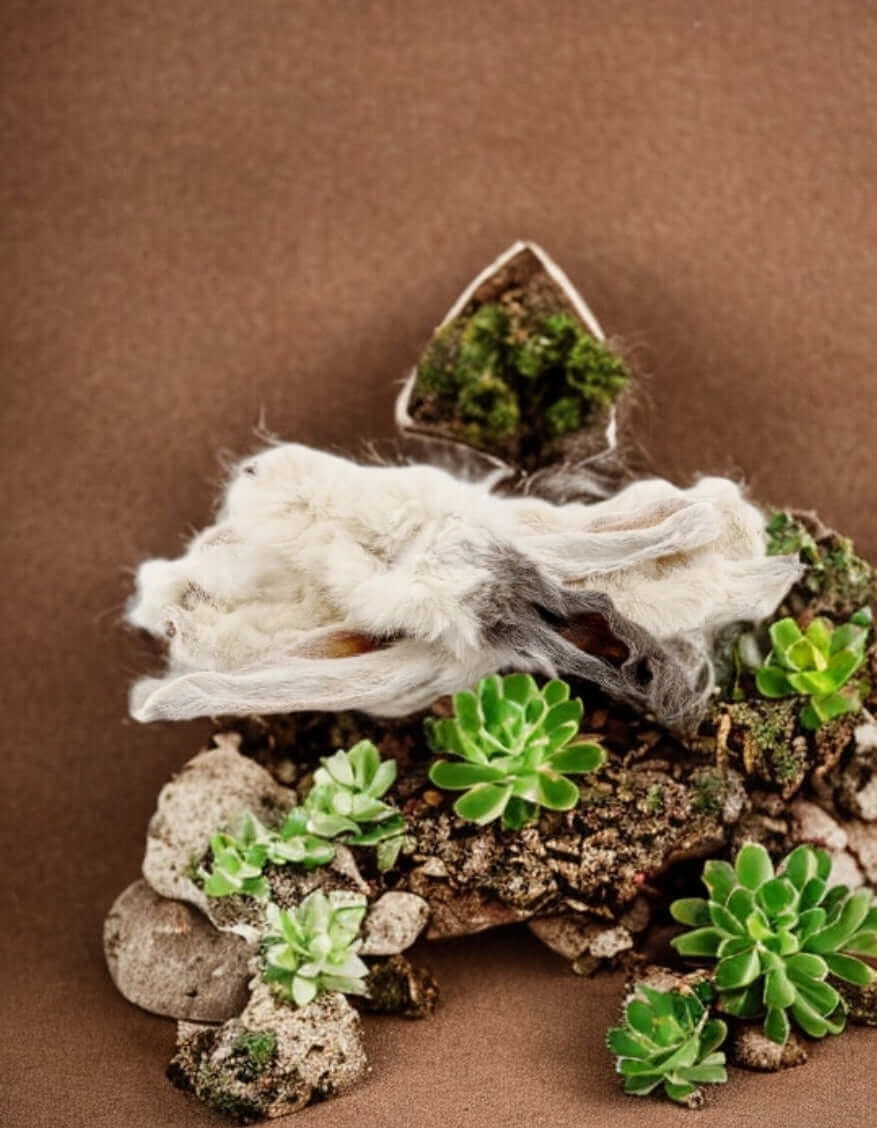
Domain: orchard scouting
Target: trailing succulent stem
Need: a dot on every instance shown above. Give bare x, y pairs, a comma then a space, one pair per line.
668, 1038
517, 744
819, 664
313, 947
777, 936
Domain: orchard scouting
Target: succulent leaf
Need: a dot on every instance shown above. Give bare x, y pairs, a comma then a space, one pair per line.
517, 743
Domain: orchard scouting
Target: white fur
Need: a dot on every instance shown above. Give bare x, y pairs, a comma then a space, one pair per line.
307, 543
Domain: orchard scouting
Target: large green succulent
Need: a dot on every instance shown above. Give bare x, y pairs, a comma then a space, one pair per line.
778, 935
345, 801
668, 1038
237, 861
314, 947
517, 744
820, 664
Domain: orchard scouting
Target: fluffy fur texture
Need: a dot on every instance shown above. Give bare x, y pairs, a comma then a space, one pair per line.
329, 585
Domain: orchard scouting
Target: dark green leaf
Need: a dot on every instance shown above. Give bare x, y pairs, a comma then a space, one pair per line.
458, 776
701, 942
485, 802
719, 878
776, 1025
849, 969
753, 865
693, 911
577, 758
737, 971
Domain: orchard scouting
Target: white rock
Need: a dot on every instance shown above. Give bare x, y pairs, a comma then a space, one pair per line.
213, 791
393, 924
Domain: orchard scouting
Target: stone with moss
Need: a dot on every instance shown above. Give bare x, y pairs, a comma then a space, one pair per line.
836, 581
517, 373
272, 1060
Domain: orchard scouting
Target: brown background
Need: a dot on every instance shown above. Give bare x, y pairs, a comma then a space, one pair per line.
213, 207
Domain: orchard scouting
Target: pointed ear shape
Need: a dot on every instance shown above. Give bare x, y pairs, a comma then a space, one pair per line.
648, 534
398, 679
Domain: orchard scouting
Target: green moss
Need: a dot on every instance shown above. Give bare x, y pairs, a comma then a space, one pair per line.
503, 375
655, 800
766, 733
837, 579
708, 793
258, 1047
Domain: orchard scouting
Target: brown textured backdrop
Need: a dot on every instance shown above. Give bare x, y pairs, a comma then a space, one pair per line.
209, 208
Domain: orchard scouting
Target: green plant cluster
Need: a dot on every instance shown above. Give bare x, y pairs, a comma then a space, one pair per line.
237, 862
344, 804
820, 664
313, 947
777, 936
668, 1038
835, 576
516, 744
504, 367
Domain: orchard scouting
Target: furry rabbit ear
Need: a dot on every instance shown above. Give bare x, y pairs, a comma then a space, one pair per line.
398, 679
678, 526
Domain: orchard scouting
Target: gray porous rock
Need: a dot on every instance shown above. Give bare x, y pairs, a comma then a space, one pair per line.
393, 923
213, 790
166, 957
750, 1048
274, 1059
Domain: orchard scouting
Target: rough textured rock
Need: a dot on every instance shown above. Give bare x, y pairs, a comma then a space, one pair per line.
573, 937
750, 1048
274, 1059
861, 1001
396, 986
393, 923
862, 838
169, 959
813, 824
212, 791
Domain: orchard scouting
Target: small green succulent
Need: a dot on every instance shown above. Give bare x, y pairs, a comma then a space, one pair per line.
345, 801
819, 663
517, 743
668, 1038
237, 862
313, 947
777, 936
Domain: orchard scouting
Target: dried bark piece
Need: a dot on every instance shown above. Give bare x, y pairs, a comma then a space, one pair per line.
396, 986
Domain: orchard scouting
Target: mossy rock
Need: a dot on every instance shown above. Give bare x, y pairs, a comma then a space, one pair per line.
517, 374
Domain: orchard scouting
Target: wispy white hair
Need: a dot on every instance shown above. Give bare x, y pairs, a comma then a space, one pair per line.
329, 585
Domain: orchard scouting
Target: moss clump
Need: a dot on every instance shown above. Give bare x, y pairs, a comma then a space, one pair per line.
836, 580
708, 794
512, 375
763, 737
256, 1049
